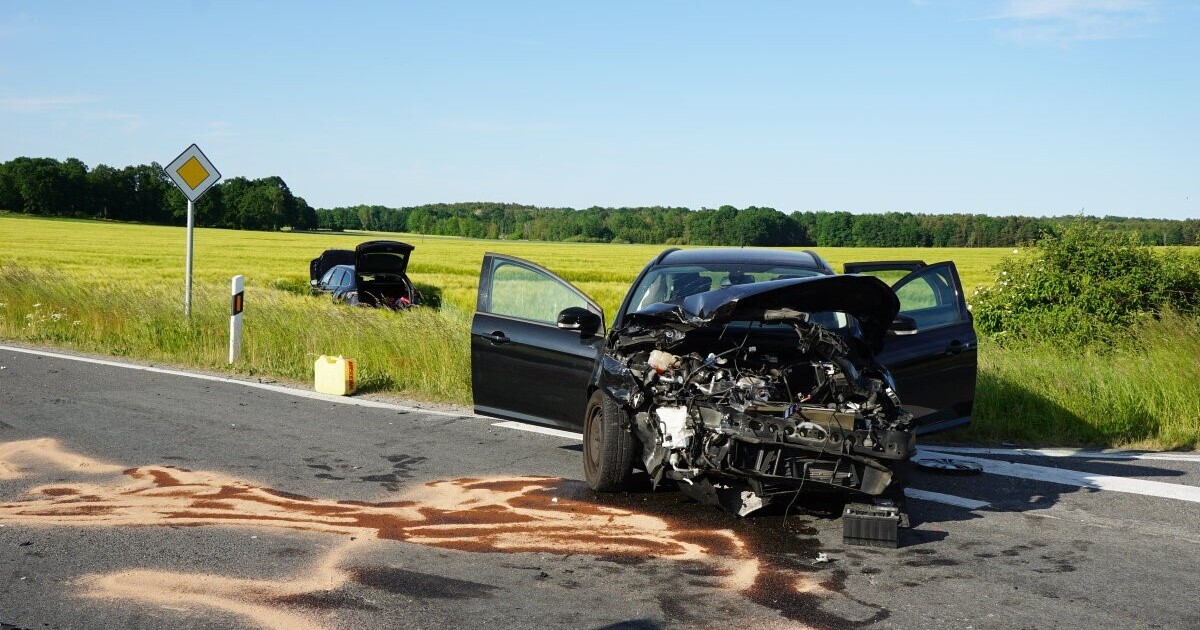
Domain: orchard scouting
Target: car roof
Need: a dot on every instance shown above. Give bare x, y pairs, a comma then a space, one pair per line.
744, 255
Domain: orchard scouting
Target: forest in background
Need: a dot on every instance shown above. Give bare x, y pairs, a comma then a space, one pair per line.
144, 193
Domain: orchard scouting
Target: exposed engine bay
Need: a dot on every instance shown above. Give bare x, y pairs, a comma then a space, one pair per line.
741, 397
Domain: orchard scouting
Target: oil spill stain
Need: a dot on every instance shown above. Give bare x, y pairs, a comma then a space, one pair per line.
767, 560
419, 585
326, 600
1063, 564
402, 467
290, 552
932, 562
674, 609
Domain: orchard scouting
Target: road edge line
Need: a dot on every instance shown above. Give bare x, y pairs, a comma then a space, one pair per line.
279, 389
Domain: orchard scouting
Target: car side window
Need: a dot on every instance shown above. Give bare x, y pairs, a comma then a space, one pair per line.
327, 279
930, 298
519, 291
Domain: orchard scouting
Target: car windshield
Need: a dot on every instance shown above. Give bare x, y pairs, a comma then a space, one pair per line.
671, 284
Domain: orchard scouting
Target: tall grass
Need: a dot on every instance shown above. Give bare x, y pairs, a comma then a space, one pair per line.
422, 353
1142, 393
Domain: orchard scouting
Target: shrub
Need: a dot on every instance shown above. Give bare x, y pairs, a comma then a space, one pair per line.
1084, 287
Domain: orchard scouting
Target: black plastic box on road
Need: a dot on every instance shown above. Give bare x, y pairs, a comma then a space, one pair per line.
868, 525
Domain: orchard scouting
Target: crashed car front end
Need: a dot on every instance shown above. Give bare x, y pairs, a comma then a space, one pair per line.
748, 393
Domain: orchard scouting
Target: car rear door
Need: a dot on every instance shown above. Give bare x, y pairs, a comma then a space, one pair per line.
523, 366
935, 366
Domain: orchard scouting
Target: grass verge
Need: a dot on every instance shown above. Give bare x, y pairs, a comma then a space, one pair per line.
1142, 394
423, 353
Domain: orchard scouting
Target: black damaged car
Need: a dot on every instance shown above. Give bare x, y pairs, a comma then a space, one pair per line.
372, 274
741, 374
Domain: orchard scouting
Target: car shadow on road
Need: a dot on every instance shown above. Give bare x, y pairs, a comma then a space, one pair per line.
1014, 494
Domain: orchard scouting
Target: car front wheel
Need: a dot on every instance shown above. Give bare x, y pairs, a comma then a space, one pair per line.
608, 447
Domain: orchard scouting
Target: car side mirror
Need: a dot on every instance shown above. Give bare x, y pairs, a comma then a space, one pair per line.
580, 319
903, 325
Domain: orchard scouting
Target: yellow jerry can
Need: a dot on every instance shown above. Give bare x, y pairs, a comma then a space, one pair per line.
334, 375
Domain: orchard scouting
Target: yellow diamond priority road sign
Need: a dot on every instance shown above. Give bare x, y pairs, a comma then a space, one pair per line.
193, 173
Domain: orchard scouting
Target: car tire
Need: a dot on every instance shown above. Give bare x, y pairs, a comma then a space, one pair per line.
608, 446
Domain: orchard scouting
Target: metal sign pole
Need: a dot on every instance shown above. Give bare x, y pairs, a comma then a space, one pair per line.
187, 291
193, 174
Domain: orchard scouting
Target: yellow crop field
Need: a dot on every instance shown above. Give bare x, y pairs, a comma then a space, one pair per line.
104, 252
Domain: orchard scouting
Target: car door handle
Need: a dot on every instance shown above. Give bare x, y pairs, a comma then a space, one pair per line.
955, 347
496, 338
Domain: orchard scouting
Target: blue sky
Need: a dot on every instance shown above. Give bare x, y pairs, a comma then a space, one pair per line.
1004, 107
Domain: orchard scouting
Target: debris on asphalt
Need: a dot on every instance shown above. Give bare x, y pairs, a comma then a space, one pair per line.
871, 525
822, 558
948, 465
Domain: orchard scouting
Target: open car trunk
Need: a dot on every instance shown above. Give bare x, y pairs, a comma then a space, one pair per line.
329, 259
380, 267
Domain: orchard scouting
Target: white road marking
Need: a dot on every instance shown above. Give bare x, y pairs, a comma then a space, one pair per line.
279, 389
533, 428
1080, 479
949, 499
1066, 452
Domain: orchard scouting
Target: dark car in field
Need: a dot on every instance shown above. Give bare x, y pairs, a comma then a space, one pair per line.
741, 374
372, 274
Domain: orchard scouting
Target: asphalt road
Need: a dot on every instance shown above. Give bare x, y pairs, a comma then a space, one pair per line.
133, 499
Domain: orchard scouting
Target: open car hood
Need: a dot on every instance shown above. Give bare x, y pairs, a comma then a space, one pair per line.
381, 257
329, 259
867, 298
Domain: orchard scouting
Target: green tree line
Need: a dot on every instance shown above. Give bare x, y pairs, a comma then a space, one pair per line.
732, 226
144, 193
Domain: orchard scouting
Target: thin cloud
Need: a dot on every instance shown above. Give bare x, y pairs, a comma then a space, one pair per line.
128, 122
1063, 22
487, 127
36, 104
219, 130
15, 26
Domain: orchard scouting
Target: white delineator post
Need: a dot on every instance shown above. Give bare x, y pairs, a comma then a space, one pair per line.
235, 318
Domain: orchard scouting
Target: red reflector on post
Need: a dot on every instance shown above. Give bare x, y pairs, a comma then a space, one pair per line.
237, 304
